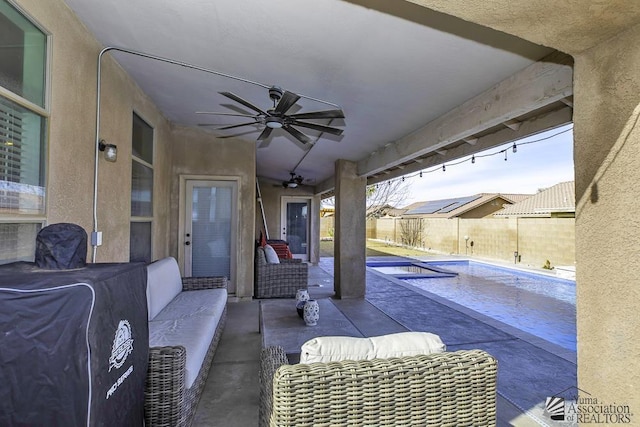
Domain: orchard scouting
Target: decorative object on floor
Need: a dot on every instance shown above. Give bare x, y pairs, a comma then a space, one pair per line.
311, 312
302, 296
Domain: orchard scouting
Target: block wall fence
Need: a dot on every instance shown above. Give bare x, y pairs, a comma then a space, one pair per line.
536, 240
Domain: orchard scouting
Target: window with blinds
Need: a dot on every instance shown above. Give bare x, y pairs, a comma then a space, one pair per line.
23, 124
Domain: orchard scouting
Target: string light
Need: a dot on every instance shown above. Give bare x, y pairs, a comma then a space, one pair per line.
514, 149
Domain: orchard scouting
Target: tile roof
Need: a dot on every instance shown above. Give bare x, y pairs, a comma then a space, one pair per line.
558, 198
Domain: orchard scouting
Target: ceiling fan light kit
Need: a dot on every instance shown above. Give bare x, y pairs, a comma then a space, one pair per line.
293, 182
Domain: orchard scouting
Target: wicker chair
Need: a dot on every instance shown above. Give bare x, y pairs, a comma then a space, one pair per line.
440, 389
278, 280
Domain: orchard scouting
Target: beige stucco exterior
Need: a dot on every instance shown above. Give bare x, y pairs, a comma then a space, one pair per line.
606, 94
177, 151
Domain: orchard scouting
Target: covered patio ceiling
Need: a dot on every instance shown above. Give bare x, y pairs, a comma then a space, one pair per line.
417, 87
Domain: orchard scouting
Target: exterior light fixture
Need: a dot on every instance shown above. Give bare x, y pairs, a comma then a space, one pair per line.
110, 151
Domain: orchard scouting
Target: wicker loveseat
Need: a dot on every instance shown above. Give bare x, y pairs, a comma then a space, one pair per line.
278, 280
439, 389
186, 319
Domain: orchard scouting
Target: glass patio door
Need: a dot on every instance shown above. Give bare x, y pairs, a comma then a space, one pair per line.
295, 225
210, 229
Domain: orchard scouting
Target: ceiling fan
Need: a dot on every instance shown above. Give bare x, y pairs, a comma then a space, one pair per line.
277, 117
293, 182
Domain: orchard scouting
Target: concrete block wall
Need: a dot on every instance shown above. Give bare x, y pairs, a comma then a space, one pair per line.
535, 239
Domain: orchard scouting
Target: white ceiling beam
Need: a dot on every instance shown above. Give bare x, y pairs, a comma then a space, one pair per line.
536, 86
513, 124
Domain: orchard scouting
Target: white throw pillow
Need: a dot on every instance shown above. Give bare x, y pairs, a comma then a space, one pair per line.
271, 255
335, 349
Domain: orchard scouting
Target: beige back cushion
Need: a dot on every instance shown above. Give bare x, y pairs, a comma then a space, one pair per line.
163, 284
335, 349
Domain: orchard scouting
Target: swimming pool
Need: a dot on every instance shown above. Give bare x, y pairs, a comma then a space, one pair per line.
541, 305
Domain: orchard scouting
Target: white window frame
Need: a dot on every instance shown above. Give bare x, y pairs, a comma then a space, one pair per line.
145, 219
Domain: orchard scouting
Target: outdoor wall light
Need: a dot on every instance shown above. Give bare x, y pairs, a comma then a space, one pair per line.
110, 151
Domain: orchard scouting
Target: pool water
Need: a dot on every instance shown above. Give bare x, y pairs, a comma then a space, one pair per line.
540, 305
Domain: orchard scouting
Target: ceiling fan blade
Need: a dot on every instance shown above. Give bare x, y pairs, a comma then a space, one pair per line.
265, 133
301, 140
224, 114
286, 102
265, 143
321, 128
327, 114
243, 102
237, 126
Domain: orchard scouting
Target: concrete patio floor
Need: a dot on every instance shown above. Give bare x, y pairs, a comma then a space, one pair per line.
530, 369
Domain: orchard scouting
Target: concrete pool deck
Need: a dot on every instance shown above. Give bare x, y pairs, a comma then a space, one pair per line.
529, 369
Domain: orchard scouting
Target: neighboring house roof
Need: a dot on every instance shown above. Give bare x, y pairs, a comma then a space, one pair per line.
454, 207
557, 199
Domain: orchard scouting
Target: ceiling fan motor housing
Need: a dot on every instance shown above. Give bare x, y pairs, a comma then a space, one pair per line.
275, 93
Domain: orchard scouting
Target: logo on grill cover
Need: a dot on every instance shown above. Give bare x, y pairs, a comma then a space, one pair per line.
122, 345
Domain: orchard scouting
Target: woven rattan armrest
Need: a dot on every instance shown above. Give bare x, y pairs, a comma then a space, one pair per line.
271, 359
164, 391
198, 283
290, 261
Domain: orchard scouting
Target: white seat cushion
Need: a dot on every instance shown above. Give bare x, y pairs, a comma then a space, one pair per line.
163, 284
189, 320
205, 302
193, 333
335, 349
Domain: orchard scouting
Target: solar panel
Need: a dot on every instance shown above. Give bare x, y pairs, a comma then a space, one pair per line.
460, 202
442, 206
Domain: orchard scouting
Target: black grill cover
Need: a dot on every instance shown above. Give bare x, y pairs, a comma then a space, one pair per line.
61, 246
74, 345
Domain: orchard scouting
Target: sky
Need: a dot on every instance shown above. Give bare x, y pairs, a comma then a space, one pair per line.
536, 165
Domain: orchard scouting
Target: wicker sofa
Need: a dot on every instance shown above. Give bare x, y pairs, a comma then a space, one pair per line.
439, 389
278, 280
186, 318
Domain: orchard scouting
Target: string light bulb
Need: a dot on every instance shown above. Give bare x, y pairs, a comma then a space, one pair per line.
515, 148
444, 168
505, 155
473, 159
420, 174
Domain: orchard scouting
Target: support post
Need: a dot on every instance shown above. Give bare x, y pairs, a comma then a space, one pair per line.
350, 232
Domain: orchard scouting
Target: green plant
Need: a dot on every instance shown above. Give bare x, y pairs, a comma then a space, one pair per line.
547, 265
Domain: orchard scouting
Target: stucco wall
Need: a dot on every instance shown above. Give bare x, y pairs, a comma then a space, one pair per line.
198, 153
71, 142
607, 147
